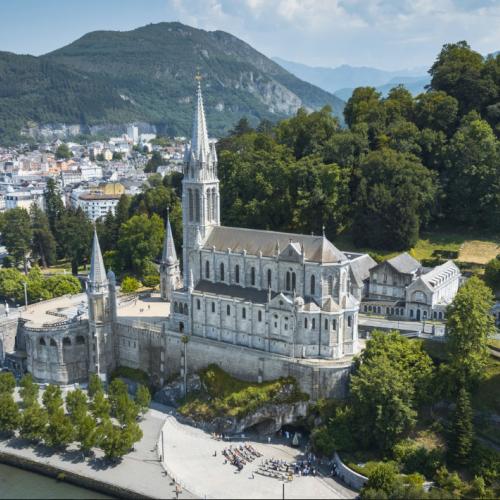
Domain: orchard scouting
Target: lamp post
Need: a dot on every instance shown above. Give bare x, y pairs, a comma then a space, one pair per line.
185, 340
25, 295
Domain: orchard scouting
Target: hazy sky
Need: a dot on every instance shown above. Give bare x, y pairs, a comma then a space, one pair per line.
389, 34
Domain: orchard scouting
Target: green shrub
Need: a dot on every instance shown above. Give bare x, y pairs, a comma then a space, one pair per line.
415, 458
151, 280
130, 284
134, 374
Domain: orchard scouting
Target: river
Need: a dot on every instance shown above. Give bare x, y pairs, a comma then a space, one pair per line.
18, 483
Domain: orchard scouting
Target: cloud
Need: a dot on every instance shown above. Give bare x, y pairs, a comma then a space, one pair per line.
384, 33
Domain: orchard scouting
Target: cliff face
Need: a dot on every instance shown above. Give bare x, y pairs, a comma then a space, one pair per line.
148, 75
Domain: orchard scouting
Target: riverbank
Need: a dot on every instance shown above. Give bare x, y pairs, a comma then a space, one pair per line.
139, 474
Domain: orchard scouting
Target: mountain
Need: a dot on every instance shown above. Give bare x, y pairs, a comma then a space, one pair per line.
342, 80
147, 75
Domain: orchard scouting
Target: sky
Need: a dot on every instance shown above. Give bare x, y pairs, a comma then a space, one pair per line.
387, 34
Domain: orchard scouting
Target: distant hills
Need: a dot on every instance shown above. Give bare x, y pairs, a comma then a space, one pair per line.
342, 80
147, 75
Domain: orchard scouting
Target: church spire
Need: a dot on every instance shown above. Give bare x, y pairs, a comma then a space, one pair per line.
200, 147
169, 255
97, 275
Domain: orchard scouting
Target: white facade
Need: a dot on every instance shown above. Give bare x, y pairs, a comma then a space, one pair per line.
95, 205
24, 199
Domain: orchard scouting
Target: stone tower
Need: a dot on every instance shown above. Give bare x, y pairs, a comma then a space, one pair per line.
169, 267
101, 310
200, 186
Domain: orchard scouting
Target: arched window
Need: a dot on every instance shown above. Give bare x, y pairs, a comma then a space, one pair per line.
214, 204
181, 327
209, 204
294, 281
288, 280
186, 310
244, 313
213, 307
237, 273
305, 322
66, 341
313, 284
334, 324
53, 343
269, 278
259, 315
80, 339
42, 341
190, 198
198, 304
330, 285
222, 271
313, 323
175, 307
252, 276
326, 324
197, 204
228, 310
207, 270
349, 320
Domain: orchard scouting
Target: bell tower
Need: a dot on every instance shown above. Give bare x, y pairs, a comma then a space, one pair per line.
169, 267
200, 186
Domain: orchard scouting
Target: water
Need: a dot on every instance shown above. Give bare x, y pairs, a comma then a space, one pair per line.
18, 483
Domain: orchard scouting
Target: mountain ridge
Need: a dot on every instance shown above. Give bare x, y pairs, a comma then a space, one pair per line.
147, 74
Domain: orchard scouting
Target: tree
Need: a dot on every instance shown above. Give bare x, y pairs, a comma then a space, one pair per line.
74, 232
95, 385
462, 435
63, 152
53, 203
130, 284
154, 162
86, 433
140, 241
100, 406
143, 398
33, 423
117, 156
387, 388
7, 383
76, 404
59, 432
17, 234
62, 285
436, 110
472, 174
52, 398
43, 244
9, 413
29, 390
383, 477
131, 434
468, 326
112, 441
395, 196
492, 273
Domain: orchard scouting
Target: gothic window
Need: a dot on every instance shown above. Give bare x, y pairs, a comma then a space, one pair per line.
190, 197
349, 320
66, 341
209, 204
288, 280
252, 276
330, 285
80, 340
334, 324
326, 324
175, 307
214, 204
244, 313
313, 323
228, 310
197, 204
294, 281
53, 343
186, 310
269, 278
313, 284
213, 307
237, 273
222, 271
42, 341
259, 315
305, 322
207, 270
198, 304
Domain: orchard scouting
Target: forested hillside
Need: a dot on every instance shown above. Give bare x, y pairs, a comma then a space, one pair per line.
148, 75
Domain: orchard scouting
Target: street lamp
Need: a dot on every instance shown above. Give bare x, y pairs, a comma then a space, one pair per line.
25, 295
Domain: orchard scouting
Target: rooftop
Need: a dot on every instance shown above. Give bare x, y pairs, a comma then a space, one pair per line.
56, 310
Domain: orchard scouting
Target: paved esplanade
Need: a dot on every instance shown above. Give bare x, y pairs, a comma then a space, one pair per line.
189, 458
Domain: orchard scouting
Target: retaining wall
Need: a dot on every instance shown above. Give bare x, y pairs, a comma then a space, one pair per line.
350, 477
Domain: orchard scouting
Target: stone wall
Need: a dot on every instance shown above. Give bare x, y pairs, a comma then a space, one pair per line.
8, 332
159, 352
350, 477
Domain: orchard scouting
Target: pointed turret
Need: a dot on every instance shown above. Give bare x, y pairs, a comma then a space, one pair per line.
97, 274
200, 146
169, 255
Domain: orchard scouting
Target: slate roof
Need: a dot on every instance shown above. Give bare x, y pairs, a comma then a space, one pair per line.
360, 269
238, 292
316, 248
404, 263
440, 274
97, 272
169, 254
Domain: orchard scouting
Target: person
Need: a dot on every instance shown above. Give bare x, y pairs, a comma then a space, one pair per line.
269, 439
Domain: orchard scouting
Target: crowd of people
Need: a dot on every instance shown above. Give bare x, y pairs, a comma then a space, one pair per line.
283, 470
240, 455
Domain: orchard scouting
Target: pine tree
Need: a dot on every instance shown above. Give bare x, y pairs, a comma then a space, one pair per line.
28, 391
43, 244
9, 413
462, 431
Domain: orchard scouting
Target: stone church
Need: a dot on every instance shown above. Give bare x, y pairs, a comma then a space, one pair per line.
261, 304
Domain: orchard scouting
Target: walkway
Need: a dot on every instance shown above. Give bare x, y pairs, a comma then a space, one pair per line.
189, 458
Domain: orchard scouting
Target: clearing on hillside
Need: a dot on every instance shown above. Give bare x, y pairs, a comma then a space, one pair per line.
478, 252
